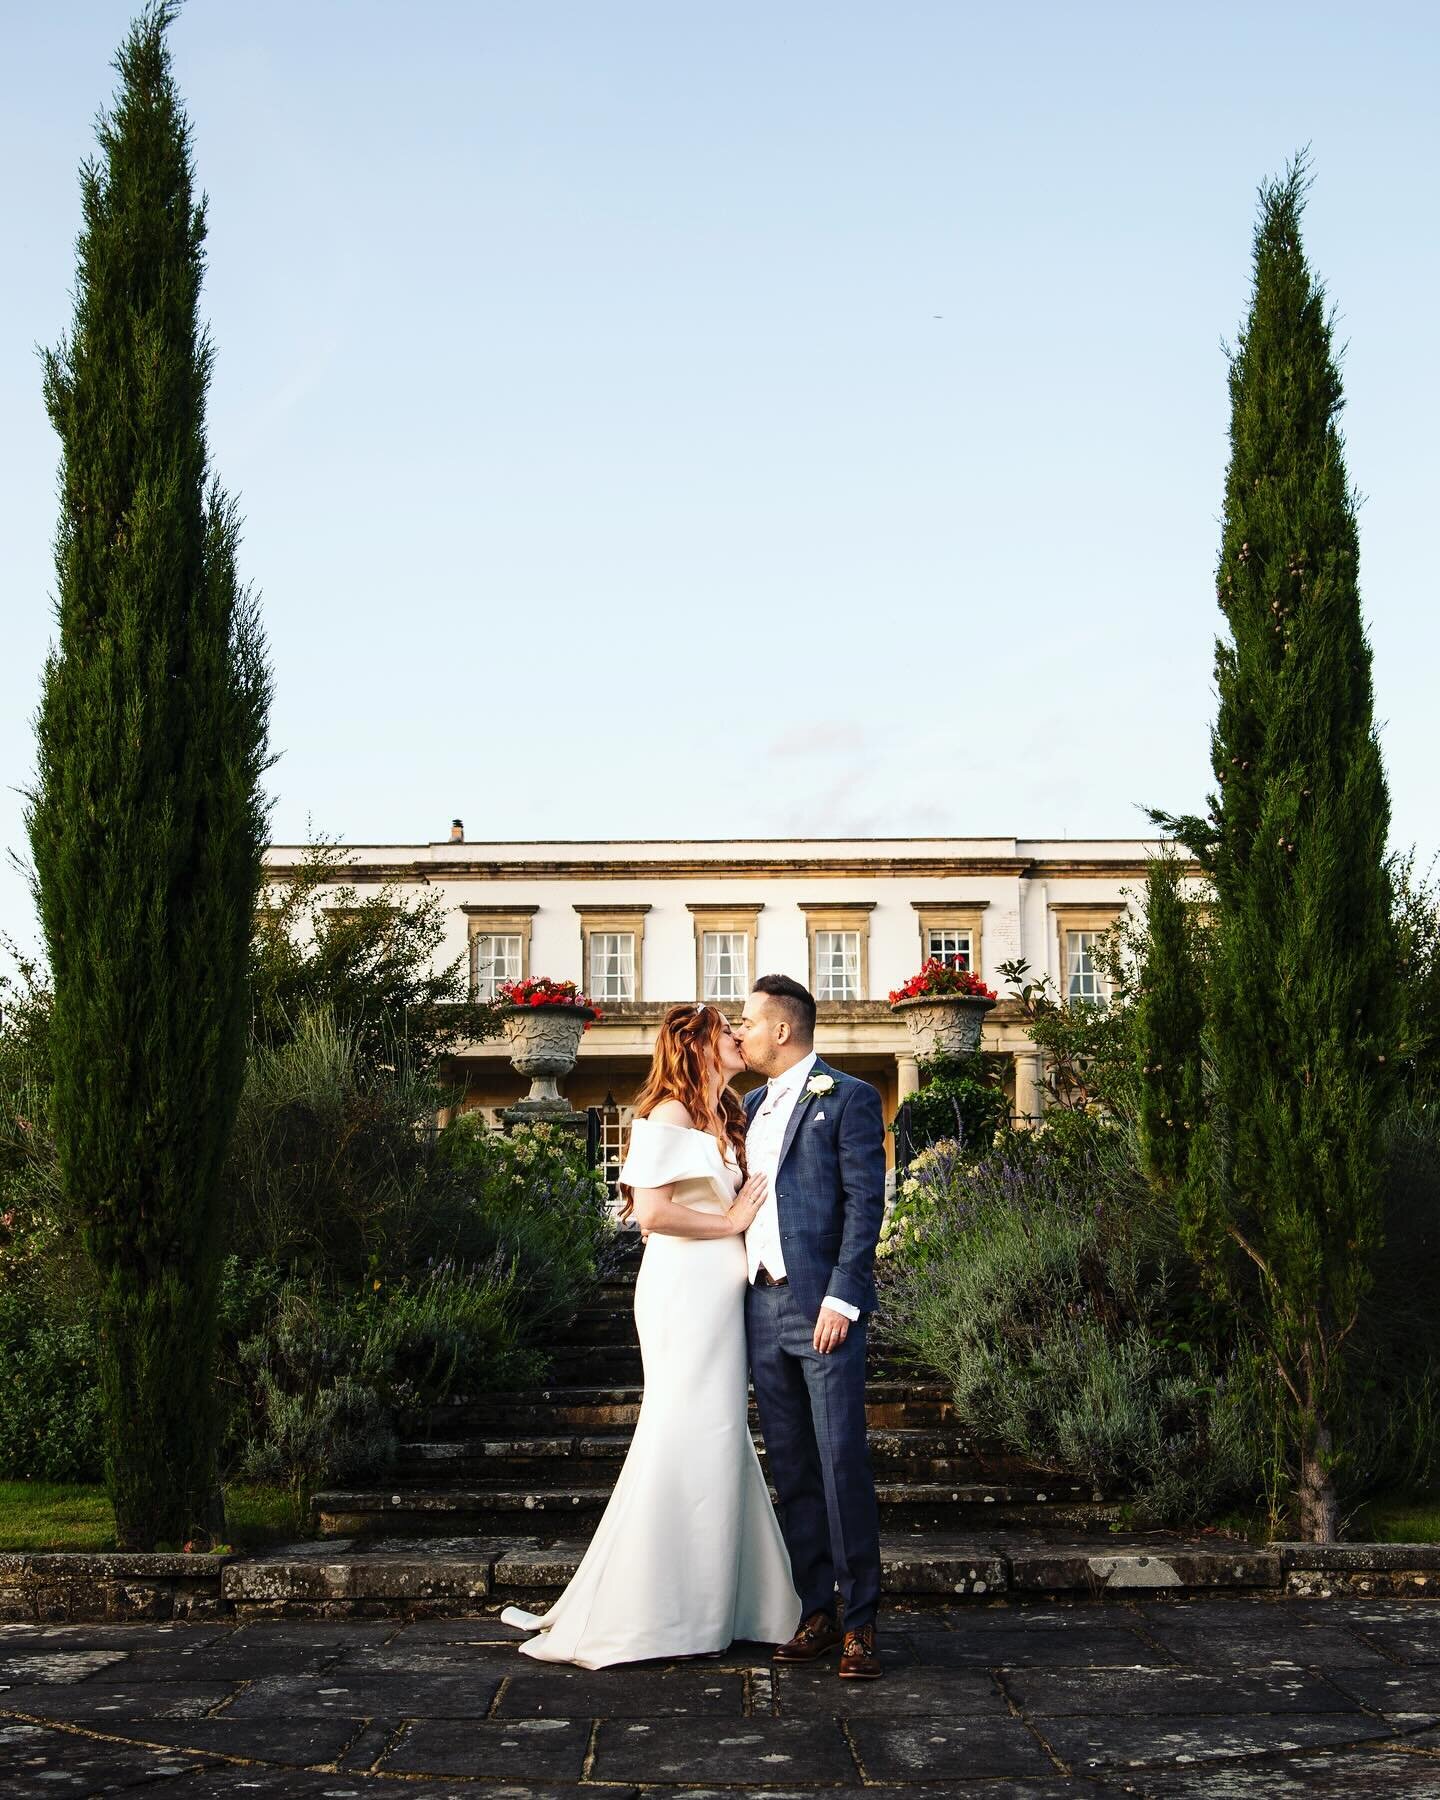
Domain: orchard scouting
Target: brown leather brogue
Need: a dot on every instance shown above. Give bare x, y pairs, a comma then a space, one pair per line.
859, 1659
818, 1634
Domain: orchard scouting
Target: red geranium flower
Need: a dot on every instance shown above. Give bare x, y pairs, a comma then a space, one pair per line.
941, 980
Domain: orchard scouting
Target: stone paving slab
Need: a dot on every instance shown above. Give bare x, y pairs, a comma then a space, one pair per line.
104, 1701
35, 1761
482, 1628
1144, 1741
915, 1749
39, 1639
1255, 1638
56, 1665
816, 1690
444, 1696
1043, 1692
1357, 1775
1105, 1646
738, 1751
555, 1691
225, 1662
1417, 1642
343, 1634
1391, 1690
270, 1739
402, 1657
518, 1749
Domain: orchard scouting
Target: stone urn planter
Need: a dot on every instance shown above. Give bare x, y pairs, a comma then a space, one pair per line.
944, 1024
544, 1042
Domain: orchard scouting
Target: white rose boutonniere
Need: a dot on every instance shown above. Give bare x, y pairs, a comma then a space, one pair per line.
820, 1084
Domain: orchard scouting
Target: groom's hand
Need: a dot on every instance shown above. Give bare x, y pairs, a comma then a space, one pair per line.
831, 1329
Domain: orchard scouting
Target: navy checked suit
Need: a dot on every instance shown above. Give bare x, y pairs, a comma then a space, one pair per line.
829, 1199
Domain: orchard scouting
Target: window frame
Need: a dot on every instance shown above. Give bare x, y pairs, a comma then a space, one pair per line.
838, 915
624, 920
743, 920
491, 921
942, 915
1081, 915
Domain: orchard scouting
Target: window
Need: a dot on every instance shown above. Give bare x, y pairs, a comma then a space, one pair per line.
726, 965
837, 965
950, 931
499, 946
1081, 927
1083, 980
612, 949
724, 949
496, 957
839, 933
951, 947
612, 965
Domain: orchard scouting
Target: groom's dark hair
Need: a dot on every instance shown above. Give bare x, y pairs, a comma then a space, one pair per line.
796, 1002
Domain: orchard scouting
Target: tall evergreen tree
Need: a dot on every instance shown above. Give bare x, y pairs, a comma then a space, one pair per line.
1304, 1018
1168, 1027
147, 823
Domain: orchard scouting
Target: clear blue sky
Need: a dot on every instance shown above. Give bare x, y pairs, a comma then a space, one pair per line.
827, 398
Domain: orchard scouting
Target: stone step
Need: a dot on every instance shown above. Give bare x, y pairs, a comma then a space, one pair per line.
550, 1411
601, 1333
552, 1459
472, 1577
495, 1508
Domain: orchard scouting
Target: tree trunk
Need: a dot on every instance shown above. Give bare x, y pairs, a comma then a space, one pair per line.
1319, 1504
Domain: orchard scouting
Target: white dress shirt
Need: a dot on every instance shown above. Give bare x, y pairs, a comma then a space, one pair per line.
763, 1144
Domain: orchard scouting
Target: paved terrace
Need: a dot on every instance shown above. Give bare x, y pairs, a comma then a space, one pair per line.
1219, 1696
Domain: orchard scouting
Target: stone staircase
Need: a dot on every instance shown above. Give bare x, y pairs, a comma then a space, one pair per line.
542, 1462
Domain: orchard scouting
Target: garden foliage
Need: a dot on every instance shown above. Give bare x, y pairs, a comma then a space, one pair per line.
1051, 1290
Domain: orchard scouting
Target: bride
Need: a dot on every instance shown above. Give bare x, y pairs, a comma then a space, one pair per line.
688, 1556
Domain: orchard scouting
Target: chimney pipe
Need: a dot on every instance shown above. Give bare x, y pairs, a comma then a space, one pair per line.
457, 831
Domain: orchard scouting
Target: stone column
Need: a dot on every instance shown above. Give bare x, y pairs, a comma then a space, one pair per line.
909, 1077
1029, 1090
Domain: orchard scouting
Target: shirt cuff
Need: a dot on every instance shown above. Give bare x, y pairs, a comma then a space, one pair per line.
852, 1313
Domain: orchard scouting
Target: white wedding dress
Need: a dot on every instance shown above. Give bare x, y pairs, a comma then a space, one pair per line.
688, 1556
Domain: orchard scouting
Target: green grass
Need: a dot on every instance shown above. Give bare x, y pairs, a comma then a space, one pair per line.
1398, 1522
42, 1515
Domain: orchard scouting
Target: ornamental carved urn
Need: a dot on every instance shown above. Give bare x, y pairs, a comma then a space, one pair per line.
944, 1025
544, 1042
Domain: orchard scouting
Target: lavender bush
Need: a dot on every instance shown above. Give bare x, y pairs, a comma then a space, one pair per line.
1048, 1288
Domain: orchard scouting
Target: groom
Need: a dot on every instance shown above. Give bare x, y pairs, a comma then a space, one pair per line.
818, 1136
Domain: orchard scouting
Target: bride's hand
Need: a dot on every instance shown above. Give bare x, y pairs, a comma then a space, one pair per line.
747, 1203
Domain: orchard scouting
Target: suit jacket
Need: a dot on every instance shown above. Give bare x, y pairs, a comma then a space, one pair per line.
830, 1190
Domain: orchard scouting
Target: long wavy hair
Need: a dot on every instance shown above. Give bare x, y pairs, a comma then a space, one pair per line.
687, 1053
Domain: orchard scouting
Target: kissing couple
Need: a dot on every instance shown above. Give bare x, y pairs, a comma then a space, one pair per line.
761, 1221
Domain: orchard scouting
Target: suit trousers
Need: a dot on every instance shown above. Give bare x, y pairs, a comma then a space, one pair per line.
812, 1417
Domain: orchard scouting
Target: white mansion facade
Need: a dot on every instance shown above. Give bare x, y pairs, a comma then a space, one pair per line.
642, 925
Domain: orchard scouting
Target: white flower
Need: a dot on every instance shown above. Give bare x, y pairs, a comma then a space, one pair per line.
820, 1084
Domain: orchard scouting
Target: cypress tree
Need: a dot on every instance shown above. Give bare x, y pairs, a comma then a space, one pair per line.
147, 824
1168, 1026
1304, 1015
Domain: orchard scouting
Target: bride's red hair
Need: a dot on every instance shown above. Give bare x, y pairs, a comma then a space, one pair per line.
687, 1053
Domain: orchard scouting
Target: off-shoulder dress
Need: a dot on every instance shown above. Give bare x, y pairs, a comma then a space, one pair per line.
688, 1556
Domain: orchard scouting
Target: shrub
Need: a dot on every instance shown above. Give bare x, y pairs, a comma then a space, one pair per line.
961, 1102
533, 1201
1052, 1294
49, 1392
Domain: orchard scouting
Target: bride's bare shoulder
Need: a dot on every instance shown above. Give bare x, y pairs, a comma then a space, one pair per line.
671, 1112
